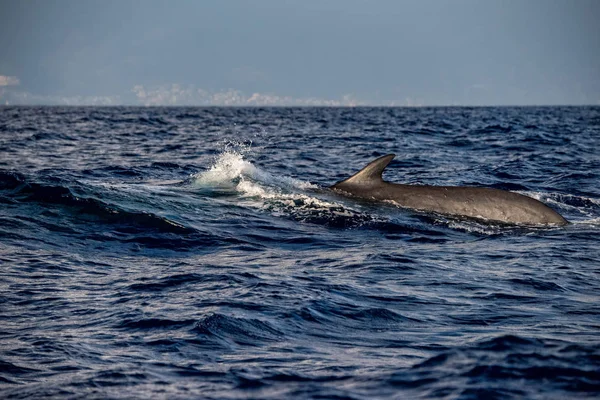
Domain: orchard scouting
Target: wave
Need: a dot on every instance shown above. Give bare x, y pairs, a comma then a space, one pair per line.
153, 323
231, 168
17, 188
279, 195
246, 331
505, 363
580, 210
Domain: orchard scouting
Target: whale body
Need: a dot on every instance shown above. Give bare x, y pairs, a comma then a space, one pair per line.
485, 204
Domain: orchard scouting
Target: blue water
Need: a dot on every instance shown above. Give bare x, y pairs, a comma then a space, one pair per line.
196, 253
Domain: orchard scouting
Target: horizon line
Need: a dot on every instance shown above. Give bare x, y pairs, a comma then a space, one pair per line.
294, 106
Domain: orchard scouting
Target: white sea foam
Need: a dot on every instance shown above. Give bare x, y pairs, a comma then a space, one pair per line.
279, 195
559, 198
581, 210
592, 222
231, 168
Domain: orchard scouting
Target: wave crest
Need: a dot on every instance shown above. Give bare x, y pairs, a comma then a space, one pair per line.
278, 195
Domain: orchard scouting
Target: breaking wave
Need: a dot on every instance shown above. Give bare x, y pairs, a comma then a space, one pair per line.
279, 195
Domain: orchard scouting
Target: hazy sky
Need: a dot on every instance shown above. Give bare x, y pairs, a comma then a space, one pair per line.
429, 52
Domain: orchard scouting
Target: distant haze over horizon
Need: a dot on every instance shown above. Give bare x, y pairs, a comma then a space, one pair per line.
300, 53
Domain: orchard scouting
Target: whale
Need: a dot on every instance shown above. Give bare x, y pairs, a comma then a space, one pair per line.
488, 205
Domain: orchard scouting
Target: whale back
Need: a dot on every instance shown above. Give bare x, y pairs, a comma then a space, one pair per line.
461, 201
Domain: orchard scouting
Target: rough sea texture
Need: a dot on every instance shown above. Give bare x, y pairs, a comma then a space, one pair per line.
197, 253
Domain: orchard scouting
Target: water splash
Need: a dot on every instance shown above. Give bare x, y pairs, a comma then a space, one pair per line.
230, 169
279, 195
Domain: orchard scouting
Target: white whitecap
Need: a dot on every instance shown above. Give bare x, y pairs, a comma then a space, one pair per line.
231, 168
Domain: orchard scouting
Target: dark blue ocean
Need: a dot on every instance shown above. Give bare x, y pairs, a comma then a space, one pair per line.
162, 253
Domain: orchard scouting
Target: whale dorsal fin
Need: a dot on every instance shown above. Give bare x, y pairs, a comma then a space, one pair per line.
369, 174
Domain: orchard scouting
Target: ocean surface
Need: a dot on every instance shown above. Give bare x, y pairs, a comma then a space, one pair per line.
196, 253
